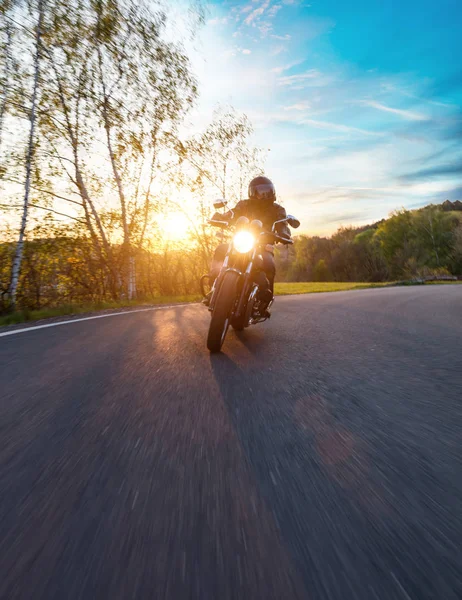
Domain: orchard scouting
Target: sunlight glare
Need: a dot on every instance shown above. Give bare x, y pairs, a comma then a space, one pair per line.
174, 226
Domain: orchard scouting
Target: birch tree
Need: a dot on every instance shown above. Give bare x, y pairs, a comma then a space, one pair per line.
16, 268
6, 63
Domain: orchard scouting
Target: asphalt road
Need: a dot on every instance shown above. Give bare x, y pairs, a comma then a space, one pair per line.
318, 457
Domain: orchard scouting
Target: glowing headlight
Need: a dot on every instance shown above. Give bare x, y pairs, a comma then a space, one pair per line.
243, 241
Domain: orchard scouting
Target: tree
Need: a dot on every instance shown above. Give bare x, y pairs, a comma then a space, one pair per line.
118, 85
434, 231
15, 271
396, 236
369, 257
221, 158
6, 33
321, 271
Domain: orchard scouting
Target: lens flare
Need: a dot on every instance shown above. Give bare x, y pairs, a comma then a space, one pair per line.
243, 241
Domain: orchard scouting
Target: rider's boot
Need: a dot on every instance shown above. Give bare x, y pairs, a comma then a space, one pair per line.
207, 298
265, 297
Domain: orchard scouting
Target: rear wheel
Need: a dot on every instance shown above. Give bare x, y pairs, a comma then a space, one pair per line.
222, 311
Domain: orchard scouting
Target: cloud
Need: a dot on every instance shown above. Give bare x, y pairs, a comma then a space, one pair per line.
264, 28
446, 170
286, 67
247, 9
298, 106
267, 119
273, 11
405, 114
278, 50
283, 38
230, 52
338, 127
218, 21
311, 78
349, 217
256, 13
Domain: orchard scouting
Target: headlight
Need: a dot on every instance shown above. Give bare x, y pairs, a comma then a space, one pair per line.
243, 241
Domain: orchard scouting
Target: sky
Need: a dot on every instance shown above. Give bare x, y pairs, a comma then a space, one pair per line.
358, 104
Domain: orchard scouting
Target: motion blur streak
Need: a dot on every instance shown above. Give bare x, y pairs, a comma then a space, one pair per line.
319, 458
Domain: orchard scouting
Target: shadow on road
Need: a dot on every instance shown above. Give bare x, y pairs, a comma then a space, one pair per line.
252, 340
308, 468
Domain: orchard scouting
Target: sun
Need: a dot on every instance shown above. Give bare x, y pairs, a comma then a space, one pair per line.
174, 226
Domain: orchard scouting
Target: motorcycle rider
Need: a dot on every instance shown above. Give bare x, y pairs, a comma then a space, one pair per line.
260, 205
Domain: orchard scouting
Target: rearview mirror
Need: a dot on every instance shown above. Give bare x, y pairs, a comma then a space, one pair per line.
219, 204
293, 222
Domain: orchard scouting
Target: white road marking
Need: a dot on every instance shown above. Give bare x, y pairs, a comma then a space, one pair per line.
69, 321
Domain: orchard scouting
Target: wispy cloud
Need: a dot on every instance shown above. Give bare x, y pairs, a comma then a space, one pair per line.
256, 13
390, 87
405, 114
287, 116
282, 68
338, 127
273, 11
310, 78
230, 52
446, 170
278, 50
299, 106
283, 38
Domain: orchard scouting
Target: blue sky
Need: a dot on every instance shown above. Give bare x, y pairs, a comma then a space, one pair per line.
358, 102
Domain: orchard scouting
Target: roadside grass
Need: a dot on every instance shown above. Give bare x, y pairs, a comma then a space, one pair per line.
71, 309
441, 282
314, 287
280, 289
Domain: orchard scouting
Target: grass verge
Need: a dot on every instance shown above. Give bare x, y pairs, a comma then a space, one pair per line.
314, 287
71, 309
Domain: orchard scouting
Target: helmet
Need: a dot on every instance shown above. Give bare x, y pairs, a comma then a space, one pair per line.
262, 188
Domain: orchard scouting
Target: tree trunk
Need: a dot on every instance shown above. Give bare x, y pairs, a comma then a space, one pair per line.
5, 90
16, 269
434, 243
128, 264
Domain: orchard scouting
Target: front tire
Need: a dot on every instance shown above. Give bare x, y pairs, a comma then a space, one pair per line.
224, 304
244, 320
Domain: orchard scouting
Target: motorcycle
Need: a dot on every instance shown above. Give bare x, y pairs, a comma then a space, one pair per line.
234, 294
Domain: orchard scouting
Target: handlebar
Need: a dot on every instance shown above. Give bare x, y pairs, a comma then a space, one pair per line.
275, 236
217, 223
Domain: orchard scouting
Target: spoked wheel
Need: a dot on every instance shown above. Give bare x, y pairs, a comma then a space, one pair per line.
221, 314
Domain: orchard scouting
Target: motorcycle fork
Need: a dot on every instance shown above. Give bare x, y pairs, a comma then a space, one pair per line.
216, 286
245, 284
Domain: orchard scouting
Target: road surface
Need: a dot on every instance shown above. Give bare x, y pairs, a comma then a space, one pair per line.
319, 457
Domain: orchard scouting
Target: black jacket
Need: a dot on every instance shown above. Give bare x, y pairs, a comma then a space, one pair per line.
265, 213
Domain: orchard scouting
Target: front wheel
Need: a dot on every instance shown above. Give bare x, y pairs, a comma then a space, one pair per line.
222, 311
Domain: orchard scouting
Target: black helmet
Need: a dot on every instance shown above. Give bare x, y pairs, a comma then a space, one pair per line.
262, 188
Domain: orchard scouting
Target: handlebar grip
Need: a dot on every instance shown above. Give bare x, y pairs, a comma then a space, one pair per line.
285, 240
218, 223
